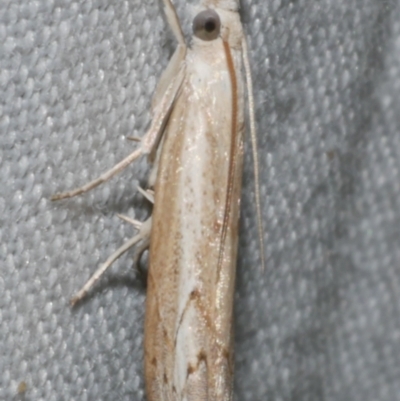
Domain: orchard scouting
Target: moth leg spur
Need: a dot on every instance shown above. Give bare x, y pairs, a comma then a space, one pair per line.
149, 195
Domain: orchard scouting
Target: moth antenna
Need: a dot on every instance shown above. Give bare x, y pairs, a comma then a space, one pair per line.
254, 146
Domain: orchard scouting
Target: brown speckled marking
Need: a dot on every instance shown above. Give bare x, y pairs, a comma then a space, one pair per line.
201, 357
191, 369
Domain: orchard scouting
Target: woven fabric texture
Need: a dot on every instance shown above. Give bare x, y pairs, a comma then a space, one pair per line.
322, 321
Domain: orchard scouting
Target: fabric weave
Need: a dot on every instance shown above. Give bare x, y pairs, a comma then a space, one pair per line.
322, 321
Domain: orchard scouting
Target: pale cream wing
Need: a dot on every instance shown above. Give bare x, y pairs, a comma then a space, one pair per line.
188, 330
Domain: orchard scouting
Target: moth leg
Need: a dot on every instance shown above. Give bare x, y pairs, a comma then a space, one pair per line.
103, 178
149, 142
149, 195
164, 97
177, 60
144, 235
136, 223
133, 138
173, 21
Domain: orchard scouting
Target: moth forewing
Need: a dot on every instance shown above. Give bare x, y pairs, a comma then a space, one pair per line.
188, 323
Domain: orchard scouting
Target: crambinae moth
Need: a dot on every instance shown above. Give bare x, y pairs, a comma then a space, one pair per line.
195, 142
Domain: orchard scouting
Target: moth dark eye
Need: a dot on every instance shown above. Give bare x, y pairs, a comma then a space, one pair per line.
206, 25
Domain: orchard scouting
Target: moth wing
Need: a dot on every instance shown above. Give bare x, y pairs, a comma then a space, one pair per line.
190, 294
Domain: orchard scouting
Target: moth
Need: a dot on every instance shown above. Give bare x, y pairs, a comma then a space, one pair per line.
195, 143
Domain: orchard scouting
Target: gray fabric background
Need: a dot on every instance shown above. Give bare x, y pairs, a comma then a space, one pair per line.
321, 323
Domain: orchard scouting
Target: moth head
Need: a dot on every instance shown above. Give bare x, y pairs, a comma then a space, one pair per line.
207, 25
